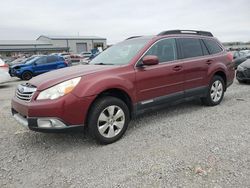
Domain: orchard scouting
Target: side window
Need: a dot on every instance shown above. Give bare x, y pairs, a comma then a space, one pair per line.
204, 48
212, 46
41, 61
51, 59
61, 59
190, 47
165, 50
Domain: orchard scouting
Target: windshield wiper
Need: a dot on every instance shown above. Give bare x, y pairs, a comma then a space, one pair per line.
103, 64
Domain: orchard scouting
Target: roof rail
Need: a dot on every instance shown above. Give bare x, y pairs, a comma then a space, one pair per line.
192, 32
133, 37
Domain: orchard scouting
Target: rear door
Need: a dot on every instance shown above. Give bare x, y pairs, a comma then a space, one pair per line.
52, 62
160, 83
195, 65
39, 65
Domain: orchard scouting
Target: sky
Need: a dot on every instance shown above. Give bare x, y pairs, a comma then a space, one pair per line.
228, 20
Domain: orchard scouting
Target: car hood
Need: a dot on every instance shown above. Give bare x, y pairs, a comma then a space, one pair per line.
17, 65
52, 78
246, 63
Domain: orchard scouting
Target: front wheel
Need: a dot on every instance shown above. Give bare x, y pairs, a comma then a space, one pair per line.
215, 92
108, 119
26, 75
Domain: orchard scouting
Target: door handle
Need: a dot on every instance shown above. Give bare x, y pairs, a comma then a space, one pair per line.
209, 61
177, 68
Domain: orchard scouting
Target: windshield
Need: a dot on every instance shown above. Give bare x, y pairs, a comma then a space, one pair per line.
121, 53
31, 60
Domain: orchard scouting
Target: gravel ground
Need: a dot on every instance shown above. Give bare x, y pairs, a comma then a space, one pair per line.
187, 145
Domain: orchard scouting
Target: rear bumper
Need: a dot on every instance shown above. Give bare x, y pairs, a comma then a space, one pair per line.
65, 113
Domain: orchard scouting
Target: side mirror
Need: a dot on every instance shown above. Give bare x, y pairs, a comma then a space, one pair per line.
150, 60
34, 64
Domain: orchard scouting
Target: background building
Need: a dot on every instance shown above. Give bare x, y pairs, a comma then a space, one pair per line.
75, 44
15, 47
51, 44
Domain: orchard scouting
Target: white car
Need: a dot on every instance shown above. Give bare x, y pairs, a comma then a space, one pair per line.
86, 54
4, 72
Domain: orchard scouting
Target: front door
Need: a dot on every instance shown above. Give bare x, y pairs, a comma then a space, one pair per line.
160, 83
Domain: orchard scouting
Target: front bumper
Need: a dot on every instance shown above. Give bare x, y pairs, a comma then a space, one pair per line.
67, 112
14, 73
243, 75
44, 124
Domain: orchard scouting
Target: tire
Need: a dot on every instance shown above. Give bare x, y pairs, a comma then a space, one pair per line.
215, 92
26, 75
103, 123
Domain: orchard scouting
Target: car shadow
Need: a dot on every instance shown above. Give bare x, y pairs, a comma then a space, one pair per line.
4, 86
82, 139
172, 110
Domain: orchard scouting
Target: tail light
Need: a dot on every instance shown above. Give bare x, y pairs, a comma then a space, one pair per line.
231, 60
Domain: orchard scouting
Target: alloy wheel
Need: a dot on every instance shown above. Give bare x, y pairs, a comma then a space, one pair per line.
216, 91
111, 121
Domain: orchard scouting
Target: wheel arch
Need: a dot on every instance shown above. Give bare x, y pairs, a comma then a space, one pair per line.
26, 70
114, 92
223, 75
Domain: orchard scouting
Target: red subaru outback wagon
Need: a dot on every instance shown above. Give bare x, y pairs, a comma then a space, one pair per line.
129, 78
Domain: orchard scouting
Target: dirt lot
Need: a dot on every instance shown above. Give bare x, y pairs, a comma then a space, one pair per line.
187, 145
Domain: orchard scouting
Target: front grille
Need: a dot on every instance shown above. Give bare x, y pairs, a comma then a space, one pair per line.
25, 92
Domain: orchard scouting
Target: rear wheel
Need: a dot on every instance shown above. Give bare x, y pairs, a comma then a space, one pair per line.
26, 75
108, 119
215, 92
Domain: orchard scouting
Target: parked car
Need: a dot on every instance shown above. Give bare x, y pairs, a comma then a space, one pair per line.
67, 59
76, 59
243, 72
240, 57
137, 75
4, 75
4, 65
240, 53
86, 54
36, 66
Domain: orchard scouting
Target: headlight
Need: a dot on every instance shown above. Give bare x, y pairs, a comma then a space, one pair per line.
59, 89
240, 68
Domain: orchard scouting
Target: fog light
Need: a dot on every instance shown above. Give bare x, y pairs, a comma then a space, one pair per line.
43, 123
50, 123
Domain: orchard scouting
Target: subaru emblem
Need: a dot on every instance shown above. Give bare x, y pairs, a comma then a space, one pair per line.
21, 90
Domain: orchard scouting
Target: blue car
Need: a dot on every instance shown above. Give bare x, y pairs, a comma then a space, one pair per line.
37, 65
